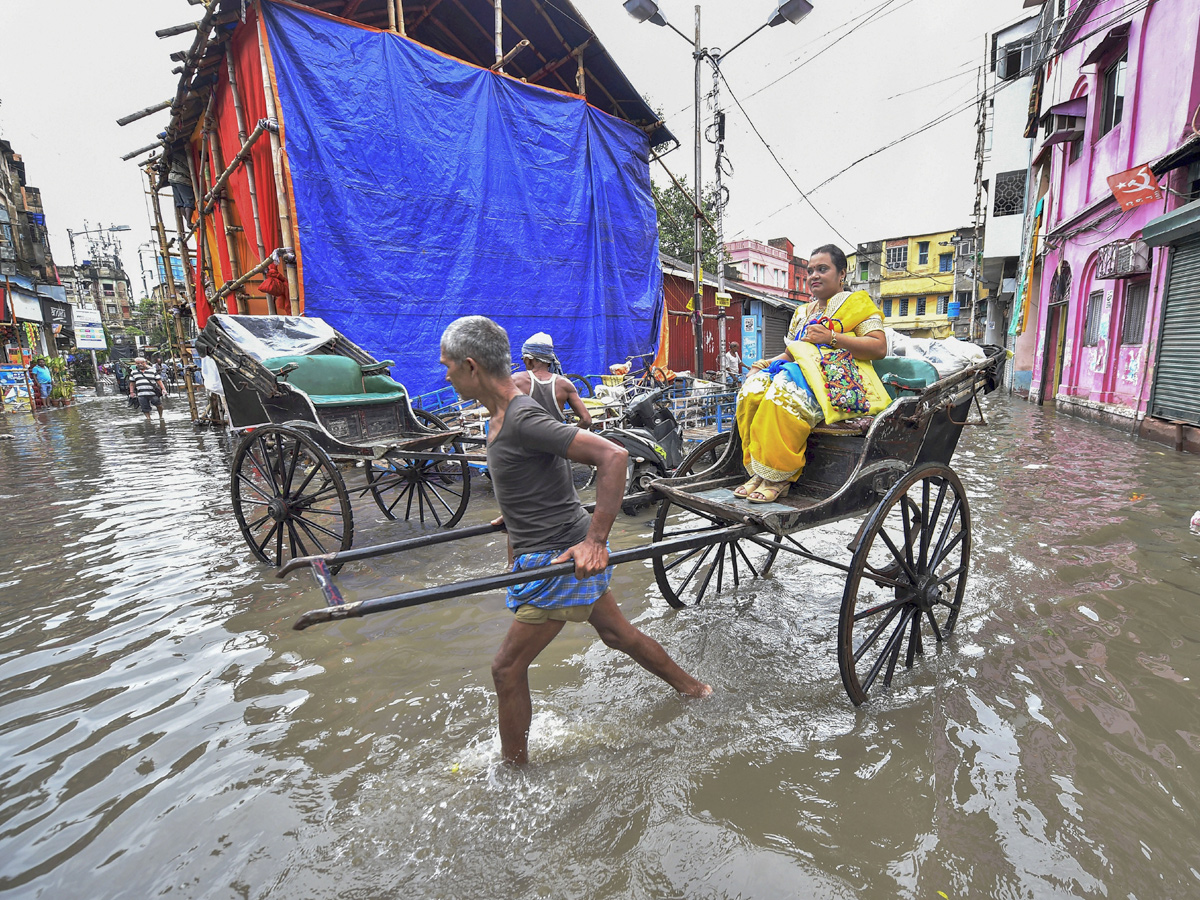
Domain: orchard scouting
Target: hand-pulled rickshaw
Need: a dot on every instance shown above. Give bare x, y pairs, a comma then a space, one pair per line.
909, 559
312, 403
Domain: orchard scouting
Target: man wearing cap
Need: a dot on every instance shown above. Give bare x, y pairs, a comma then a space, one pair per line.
544, 382
146, 386
527, 454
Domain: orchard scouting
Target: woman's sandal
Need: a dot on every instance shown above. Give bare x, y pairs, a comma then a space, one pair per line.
770, 491
748, 488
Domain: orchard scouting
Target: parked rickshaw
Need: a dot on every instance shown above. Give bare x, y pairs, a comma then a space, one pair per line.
314, 406
909, 559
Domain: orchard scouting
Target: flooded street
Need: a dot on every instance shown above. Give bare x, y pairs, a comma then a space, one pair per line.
166, 732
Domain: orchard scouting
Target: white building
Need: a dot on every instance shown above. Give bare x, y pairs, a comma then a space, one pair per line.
1006, 163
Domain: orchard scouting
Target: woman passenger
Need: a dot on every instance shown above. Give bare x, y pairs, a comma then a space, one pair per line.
782, 402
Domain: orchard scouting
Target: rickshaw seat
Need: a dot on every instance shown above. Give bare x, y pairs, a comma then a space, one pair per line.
901, 373
331, 380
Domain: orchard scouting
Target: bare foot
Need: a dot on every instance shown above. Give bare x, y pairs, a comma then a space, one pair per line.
699, 692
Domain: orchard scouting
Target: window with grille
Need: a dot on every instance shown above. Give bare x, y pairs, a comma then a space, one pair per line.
1091, 327
903, 304
1010, 193
108, 289
887, 309
1133, 328
964, 298
923, 253
943, 304
920, 306
897, 258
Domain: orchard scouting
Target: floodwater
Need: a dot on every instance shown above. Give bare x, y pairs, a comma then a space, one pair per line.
165, 732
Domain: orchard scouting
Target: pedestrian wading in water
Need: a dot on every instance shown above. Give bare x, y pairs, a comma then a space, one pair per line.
527, 458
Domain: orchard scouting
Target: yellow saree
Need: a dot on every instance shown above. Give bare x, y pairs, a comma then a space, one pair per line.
775, 415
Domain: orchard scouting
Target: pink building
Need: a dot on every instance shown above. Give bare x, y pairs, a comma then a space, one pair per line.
761, 265
772, 268
1121, 86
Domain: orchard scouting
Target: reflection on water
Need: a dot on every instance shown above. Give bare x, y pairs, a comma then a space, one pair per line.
166, 732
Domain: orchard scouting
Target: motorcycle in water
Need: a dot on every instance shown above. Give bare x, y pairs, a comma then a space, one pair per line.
652, 437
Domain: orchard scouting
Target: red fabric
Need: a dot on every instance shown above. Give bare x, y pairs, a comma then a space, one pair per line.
247, 65
248, 68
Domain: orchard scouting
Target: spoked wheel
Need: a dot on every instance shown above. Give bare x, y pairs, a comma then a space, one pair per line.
906, 579
688, 577
435, 488
288, 496
705, 455
582, 383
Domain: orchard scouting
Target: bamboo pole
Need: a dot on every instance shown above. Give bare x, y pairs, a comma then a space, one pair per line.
186, 256
231, 286
233, 274
249, 162
391, 11
499, 66
499, 6
285, 217
184, 354
142, 113
400, 17
241, 157
128, 156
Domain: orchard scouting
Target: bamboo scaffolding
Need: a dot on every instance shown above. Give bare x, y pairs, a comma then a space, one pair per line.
399, 16
214, 142
244, 154
185, 353
281, 198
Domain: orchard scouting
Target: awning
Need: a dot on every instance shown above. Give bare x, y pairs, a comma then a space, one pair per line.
1184, 155
25, 304
1076, 107
1174, 226
1115, 38
1065, 120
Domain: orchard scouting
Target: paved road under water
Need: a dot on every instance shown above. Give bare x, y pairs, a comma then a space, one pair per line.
165, 731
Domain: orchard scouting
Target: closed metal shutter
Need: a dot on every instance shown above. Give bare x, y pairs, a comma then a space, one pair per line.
775, 323
1177, 378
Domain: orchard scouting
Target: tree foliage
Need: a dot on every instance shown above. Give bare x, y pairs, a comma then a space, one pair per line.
675, 217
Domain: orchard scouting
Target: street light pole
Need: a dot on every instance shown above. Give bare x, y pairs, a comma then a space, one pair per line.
647, 11
697, 214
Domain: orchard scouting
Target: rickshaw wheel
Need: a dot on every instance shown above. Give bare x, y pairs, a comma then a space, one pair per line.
906, 579
437, 488
687, 577
288, 496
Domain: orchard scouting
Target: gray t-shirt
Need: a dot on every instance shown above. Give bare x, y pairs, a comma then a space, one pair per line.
532, 479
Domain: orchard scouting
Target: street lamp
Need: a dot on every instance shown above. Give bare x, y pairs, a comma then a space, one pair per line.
647, 11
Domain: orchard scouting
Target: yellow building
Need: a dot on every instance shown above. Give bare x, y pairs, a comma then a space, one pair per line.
914, 282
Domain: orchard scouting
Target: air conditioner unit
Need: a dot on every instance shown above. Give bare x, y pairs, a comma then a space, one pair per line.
1123, 259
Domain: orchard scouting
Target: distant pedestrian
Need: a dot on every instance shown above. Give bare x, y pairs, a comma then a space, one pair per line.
731, 363
146, 386
42, 379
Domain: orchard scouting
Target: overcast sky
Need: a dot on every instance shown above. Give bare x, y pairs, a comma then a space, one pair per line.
70, 68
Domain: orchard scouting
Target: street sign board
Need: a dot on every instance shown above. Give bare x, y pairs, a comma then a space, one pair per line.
89, 332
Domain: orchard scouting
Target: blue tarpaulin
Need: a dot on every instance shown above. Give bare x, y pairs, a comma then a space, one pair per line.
428, 189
